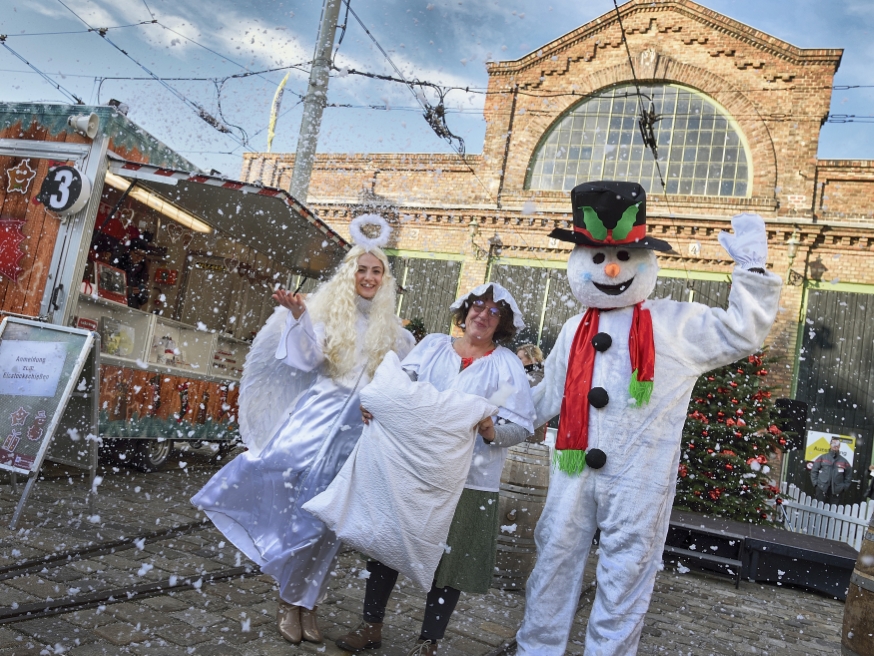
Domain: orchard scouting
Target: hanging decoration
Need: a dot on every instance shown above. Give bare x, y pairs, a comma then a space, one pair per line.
19, 177
10, 248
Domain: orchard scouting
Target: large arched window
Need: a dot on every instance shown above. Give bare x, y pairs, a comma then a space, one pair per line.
701, 149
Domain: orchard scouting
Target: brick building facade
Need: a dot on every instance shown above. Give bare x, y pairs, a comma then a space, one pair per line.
488, 216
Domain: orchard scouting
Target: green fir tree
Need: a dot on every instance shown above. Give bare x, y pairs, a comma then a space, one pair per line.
728, 440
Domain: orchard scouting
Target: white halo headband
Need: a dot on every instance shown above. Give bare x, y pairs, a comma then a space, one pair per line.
369, 243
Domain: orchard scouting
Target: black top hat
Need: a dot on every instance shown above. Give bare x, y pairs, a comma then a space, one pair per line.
610, 213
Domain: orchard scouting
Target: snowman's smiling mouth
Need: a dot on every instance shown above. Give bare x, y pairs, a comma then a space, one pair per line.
614, 290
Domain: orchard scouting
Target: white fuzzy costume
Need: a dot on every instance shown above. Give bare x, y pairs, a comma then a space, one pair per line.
630, 498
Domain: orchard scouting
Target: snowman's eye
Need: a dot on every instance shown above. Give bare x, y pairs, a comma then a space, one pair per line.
623, 256
597, 258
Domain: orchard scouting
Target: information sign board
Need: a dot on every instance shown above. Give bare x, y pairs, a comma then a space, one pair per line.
40, 367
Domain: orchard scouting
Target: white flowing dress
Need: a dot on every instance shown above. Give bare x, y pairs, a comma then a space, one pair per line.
256, 499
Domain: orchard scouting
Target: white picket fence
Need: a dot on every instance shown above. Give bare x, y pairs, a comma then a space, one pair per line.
804, 514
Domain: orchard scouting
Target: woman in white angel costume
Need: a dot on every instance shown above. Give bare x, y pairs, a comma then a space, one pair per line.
300, 418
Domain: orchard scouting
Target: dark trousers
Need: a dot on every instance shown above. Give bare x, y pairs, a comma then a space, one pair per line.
438, 607
825, 495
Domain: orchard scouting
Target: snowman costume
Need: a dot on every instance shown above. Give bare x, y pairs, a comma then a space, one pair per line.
621, 376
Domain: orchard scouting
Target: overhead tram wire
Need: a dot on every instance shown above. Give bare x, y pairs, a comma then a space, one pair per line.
198, 109
434, 115
149, 9
69, 94
236, 63
220, 86
647, 133
430, 112
96, 29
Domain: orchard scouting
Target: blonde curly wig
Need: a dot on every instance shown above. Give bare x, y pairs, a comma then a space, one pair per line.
334, 304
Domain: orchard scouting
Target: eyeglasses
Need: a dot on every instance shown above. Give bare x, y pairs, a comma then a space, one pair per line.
480, 305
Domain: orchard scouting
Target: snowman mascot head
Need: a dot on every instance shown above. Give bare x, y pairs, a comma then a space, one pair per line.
613, 266
614, 263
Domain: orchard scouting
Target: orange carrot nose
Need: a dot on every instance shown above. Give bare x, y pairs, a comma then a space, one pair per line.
612, 269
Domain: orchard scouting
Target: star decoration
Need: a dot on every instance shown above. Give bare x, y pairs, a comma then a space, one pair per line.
19, 417
20, 177
10, 248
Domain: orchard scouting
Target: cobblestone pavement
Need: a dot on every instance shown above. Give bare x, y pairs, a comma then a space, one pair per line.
690, 613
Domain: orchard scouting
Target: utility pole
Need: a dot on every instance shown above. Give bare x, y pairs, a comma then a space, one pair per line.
315, 101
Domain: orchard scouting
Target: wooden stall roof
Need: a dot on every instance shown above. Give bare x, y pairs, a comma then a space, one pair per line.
266, 219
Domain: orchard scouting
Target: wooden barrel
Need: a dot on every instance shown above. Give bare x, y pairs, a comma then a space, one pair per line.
524, 482
857, 638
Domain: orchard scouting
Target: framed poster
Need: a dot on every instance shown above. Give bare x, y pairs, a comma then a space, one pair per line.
40, 367
111, 283
819, 443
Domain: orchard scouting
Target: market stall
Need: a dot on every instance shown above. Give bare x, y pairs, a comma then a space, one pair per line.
171, 266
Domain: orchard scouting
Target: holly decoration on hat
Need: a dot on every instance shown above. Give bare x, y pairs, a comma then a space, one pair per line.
728, 440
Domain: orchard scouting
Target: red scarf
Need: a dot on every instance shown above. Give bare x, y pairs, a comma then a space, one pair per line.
573, 422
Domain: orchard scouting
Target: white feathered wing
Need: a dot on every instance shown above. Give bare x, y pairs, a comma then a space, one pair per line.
269, 388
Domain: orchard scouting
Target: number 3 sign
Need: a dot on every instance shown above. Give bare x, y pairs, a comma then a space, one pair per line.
65, 190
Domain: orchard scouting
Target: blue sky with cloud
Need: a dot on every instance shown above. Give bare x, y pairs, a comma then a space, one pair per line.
443, 41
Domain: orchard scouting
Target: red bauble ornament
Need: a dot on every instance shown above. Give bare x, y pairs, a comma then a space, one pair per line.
733, 384
773, 430
697, 493
729, 466
739, 412
682, 470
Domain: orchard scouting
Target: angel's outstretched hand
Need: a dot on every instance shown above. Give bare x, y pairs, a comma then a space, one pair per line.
290, 301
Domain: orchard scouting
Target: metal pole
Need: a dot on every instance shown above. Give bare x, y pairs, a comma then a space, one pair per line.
314, 103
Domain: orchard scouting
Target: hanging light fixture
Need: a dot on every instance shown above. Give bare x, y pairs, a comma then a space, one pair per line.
157, 203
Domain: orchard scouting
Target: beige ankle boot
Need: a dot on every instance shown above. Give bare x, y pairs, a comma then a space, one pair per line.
309, 627
424, 648
366, 635
288, 619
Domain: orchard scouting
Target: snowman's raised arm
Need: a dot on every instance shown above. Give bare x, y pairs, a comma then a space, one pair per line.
748, 246
705, 338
